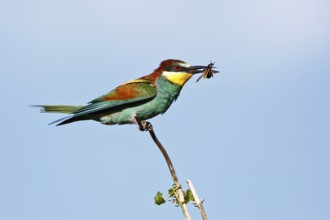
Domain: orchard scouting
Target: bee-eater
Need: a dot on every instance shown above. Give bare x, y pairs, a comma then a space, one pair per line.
133, 101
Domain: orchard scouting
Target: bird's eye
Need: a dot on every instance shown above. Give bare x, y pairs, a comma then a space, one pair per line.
177, 68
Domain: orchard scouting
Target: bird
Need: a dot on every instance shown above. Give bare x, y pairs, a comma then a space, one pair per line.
134, 101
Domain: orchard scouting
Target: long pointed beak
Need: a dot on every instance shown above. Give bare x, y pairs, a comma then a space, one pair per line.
196, 69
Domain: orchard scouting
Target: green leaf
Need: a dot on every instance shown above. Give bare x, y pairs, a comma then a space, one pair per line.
188, 196
159, 198
171, 192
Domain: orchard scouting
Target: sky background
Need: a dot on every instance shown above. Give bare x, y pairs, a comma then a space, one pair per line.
254, 140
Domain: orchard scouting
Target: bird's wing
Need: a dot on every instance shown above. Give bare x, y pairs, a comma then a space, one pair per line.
134, 91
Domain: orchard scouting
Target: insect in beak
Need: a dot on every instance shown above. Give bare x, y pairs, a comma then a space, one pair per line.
208, 72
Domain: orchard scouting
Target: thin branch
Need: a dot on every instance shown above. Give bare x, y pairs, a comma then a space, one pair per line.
198, 202
167, 158
179, 192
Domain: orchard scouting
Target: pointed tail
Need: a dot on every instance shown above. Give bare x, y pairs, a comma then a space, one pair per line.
66, 109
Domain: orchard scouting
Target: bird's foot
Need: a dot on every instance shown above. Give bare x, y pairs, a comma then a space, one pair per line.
143, 125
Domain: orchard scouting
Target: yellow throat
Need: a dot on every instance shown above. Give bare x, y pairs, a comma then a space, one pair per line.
178, 78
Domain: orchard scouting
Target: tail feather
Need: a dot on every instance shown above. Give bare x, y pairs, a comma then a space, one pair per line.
67, 109
60, 120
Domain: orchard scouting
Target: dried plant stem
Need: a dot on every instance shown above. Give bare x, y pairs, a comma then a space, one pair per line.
198, 202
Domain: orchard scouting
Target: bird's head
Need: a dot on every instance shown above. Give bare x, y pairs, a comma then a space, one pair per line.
177, 71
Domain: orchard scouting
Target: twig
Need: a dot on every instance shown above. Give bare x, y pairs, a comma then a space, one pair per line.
198, 202
179, 192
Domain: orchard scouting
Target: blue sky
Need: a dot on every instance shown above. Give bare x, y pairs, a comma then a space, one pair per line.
254, 140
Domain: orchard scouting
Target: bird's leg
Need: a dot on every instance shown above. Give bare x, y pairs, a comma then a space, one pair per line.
143, 125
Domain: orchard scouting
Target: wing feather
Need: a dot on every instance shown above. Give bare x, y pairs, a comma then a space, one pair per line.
128, 93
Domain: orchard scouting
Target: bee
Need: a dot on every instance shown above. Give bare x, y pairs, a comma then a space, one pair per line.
208, 72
